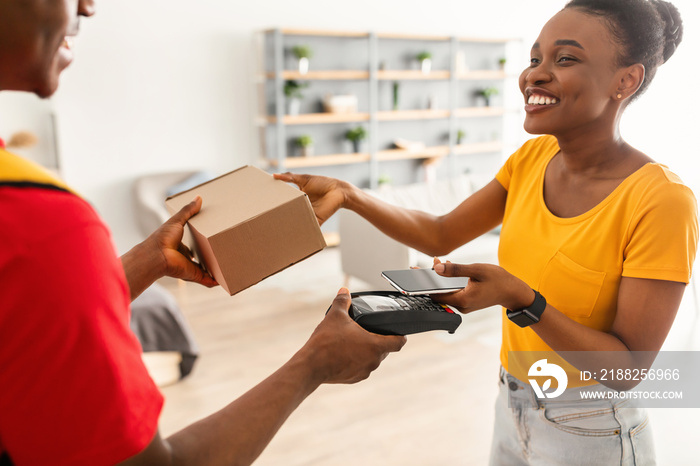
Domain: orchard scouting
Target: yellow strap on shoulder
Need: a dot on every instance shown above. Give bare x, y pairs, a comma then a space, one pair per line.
17, 170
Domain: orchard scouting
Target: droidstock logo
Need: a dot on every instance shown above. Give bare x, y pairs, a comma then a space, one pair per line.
544, 369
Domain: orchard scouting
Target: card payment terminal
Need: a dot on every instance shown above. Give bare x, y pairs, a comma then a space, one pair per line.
393, 313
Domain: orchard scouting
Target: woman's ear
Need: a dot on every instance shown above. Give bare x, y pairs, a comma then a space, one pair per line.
631, 78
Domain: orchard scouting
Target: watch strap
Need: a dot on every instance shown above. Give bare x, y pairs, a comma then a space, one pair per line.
528, 315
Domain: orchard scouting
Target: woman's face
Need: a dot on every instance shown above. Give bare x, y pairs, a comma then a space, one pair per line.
35, 42
570, 82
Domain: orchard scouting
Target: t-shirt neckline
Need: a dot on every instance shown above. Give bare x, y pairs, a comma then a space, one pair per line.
595, 209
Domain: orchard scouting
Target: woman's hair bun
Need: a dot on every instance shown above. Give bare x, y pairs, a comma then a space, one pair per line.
673, 32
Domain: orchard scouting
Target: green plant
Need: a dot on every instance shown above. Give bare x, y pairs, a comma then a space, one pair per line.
304, 140
424, 56
302, 51
460, 135
356, 134
488, 92
292, 89
502, 61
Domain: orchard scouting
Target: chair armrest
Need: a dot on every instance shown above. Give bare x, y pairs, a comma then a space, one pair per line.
365, 251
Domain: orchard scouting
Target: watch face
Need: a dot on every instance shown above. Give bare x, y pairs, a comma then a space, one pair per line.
521, 319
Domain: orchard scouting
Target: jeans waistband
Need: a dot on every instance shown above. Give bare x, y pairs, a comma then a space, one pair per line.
522, 392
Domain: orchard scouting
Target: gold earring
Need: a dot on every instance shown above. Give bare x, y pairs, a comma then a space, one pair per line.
619, 96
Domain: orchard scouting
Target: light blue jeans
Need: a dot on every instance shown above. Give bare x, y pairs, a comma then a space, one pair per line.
566, 430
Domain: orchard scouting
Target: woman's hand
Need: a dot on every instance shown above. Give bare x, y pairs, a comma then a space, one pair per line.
162, 254
489, 285
327, 195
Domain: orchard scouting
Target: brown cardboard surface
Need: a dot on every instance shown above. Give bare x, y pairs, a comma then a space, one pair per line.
251, 226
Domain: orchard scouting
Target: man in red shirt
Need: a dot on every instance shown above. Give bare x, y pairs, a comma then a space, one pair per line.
73, 388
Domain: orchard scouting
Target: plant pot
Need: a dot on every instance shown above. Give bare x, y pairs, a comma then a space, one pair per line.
425, 65
294, 105
303, 65
307, 151
356, 146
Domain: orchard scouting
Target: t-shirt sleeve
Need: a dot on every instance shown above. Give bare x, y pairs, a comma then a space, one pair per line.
664, 235
533, 147
74, 387
505, 173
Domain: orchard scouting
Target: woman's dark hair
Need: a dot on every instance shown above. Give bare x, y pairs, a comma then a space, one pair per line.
648, 31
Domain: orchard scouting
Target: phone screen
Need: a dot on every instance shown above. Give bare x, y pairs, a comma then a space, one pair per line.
423, 281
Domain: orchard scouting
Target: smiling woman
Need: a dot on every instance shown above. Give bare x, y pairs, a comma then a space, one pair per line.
597, 241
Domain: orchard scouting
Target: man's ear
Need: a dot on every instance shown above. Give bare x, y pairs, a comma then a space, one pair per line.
630, 79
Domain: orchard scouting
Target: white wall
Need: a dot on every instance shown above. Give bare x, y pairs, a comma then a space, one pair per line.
167, 84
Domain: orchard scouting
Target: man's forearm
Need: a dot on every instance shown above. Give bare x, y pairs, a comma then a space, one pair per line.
237, 434
142, 267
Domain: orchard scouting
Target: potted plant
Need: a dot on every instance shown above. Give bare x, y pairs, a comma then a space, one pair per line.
302, 53
395, 95
487, 93
356, 136
425, 60
306, 144
461, 134
502, 63
292, 91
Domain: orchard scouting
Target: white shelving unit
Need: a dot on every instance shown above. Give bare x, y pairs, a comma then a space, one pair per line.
376, 61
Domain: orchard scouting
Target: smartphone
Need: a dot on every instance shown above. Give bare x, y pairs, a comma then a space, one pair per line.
423, 281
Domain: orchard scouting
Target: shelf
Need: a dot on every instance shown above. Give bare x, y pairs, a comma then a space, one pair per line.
481, 75
405, 154
472, 112
320, 118
402, 115
322, 160
387, 75
321, 33
389, 35
329, 75
412, 75
478, 148
391, 115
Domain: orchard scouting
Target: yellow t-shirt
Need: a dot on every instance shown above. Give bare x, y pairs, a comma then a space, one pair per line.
646, 228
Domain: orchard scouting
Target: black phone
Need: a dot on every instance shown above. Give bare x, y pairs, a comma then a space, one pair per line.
423, 281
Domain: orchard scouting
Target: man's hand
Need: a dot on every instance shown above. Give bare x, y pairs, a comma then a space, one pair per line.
162, 254
343, 352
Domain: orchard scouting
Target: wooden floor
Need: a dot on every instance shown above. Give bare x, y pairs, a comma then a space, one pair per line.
430, 404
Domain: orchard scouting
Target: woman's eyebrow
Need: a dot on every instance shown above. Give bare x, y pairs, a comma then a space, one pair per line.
561, 42
571, 42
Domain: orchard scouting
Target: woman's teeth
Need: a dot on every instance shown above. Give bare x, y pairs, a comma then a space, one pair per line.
541, 100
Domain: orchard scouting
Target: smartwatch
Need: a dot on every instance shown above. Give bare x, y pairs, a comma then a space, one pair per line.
528, 315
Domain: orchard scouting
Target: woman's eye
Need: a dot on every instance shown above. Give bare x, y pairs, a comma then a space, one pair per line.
567, 59
534, 61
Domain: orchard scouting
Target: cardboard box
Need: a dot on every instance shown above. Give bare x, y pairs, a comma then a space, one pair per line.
251, 226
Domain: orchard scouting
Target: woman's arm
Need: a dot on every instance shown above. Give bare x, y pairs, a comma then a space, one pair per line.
646, 310
430, 234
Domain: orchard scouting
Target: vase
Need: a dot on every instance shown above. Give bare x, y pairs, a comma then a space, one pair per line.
303, 65
425, 65
307, 151
294, 105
